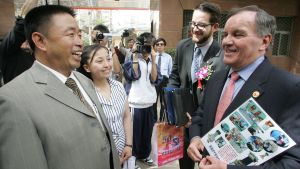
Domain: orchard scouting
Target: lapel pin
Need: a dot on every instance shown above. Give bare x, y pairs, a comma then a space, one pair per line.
255, 94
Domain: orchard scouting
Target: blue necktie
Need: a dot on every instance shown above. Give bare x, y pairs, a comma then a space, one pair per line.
195, 64
159, 62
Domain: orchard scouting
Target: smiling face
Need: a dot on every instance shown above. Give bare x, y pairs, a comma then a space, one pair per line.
242, 45
61, 44
203, 34
100, 66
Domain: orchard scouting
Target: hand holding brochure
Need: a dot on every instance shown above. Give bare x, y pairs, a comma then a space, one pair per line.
248, 136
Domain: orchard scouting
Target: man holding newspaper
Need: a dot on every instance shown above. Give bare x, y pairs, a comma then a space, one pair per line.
247, 36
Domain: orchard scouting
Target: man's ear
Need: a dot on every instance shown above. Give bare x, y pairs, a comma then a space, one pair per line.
39, 40
215, 26
86, 68
266, 41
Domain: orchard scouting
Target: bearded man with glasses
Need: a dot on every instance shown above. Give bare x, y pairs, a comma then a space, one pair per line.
192, 54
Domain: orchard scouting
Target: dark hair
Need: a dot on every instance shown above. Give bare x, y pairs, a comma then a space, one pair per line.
265, 23
146, 38
144, 42
39, 18
212, 9
161, 39
101, 28
89, 52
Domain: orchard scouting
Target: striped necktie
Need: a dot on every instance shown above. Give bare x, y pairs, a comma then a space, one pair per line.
73, 86
195, 64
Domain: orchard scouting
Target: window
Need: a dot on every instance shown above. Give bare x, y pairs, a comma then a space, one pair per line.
282, 37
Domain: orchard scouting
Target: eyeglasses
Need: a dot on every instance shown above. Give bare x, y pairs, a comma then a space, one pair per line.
160, 44
199, 25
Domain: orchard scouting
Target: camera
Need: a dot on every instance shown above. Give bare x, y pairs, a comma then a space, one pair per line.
143, 44
100, 36
125, 33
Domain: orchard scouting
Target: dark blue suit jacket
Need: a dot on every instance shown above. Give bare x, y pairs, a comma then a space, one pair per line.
279, 97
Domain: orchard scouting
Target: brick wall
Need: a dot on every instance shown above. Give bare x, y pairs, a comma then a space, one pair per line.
6, 16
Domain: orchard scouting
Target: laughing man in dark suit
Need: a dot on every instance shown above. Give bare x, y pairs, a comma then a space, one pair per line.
247, 35
205, 22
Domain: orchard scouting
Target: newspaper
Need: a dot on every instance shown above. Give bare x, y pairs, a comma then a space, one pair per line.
248, 136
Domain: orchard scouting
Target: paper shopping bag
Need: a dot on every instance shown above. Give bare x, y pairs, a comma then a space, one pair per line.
167, 143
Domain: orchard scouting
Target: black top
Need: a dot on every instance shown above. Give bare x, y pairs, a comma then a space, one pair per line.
13, 59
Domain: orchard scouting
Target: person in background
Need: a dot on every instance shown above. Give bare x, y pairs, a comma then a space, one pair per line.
100, 36
247, 36
193, 53
141, 76
96, 64
15, 53
127, 52
50, 116
164, 66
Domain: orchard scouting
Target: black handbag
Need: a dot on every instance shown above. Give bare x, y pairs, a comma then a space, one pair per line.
178, 101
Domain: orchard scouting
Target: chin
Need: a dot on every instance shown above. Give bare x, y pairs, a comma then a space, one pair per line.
228, 61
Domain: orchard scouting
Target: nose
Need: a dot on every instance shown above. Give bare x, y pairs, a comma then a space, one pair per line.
79, 41
227, 40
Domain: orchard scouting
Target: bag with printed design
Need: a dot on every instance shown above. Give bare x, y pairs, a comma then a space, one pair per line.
167, 143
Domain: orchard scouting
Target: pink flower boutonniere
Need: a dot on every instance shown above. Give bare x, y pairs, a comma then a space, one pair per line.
203, 75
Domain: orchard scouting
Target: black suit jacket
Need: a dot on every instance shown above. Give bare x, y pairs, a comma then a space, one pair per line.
180, 76
279, 97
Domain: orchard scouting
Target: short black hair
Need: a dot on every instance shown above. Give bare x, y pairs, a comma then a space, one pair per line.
212, 9
101, 28
39, 18
146, 38
161, 39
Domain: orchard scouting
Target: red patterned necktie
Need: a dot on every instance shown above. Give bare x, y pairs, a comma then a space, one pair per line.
226, 98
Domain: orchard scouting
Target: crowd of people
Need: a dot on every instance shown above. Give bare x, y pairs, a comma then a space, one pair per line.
66, 105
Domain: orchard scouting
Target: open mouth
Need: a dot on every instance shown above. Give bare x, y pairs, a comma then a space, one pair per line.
77, 54
230, 50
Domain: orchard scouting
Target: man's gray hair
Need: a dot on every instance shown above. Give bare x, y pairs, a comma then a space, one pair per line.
265, 23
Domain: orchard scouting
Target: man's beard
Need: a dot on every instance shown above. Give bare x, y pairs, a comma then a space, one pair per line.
203, 39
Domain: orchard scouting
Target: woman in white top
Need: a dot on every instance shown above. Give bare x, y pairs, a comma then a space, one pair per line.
96, 63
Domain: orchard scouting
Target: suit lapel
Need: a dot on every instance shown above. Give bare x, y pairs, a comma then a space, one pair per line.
57, 90
90, 90
253, 84
189, 52
213, 50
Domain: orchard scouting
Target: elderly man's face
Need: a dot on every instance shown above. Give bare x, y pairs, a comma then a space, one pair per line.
241, 43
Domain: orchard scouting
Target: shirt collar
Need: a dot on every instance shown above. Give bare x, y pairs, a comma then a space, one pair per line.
204, 48
246, 72
59, 75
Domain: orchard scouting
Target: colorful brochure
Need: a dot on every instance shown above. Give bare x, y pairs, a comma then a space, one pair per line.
248, 136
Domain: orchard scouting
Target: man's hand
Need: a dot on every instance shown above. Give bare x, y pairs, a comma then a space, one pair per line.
153, 54
194, 149
210, 162
189, 123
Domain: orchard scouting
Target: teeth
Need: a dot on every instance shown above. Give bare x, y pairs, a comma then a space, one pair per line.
78, 53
